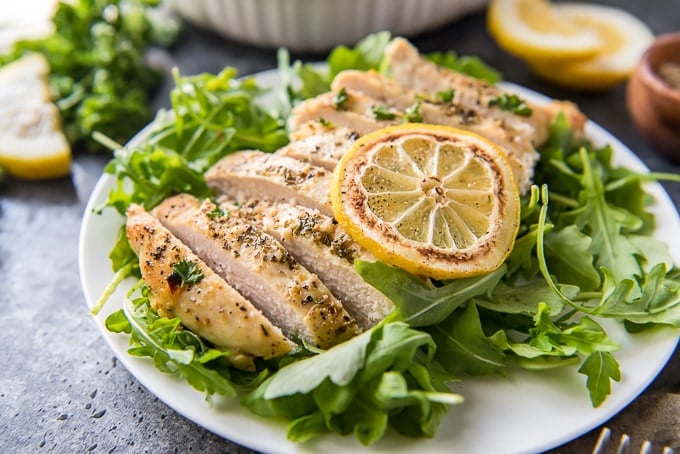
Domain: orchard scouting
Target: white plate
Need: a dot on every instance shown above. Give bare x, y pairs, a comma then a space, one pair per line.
525, 412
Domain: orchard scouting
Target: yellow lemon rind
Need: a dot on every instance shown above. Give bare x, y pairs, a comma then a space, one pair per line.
604, 70
518, 38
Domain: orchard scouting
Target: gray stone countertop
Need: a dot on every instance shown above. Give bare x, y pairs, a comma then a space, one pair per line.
61, 387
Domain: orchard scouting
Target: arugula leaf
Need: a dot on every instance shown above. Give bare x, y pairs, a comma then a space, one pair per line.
524, 297
600, 368
366, 55
584, 337
462, 346
419, 302
377, 378
568, 253
658, 302
172, 349
470, 65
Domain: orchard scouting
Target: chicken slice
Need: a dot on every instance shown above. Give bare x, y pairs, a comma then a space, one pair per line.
253, 174
355, 115
514, 138
322, 246
209, 307
409, 68
261, 269
318, 144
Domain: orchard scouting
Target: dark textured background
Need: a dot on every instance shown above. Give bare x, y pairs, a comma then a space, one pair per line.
61, 388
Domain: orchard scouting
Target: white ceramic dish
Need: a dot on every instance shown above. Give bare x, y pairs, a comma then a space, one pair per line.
525, 412
319, 25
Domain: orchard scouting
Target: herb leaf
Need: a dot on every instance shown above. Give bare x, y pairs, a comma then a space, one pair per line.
446, 96
340, 99
462, 346
377, 378
384, 113
511, 103
174, 350
418, 301
188, 272
600, 368
470, 65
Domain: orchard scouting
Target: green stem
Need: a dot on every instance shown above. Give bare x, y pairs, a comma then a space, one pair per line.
122, 273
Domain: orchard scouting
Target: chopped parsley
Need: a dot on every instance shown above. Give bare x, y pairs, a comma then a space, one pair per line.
325, 122
446, 96
340, 99
412, 114
383, 113
511, 103
218, 212
188, 272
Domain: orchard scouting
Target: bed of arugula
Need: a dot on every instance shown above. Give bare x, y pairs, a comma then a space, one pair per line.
584, 252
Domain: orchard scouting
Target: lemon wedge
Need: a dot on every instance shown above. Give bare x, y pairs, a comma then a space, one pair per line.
32, 144
534, 29
433, 200
625, 38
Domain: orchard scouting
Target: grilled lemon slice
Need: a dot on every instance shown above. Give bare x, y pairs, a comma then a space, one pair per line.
433, 200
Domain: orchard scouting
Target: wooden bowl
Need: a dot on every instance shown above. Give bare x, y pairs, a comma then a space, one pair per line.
652, 104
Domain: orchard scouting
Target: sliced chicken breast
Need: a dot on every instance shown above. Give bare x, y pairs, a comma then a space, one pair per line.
409, 68
208, 307
261, 269
322, 246
355, 115
320, 145
512, 135
253, 174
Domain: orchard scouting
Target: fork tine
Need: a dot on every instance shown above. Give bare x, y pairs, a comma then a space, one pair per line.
604, 445
602, 441
646, 447
624, 445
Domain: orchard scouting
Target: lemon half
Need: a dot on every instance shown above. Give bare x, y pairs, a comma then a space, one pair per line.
433, 200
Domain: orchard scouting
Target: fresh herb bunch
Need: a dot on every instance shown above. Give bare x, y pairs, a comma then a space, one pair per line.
99, 77
584, 253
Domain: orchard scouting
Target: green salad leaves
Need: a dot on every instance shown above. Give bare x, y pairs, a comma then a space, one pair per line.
99, 78
584, 253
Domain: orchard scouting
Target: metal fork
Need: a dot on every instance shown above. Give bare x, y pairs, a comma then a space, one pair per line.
605, 444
